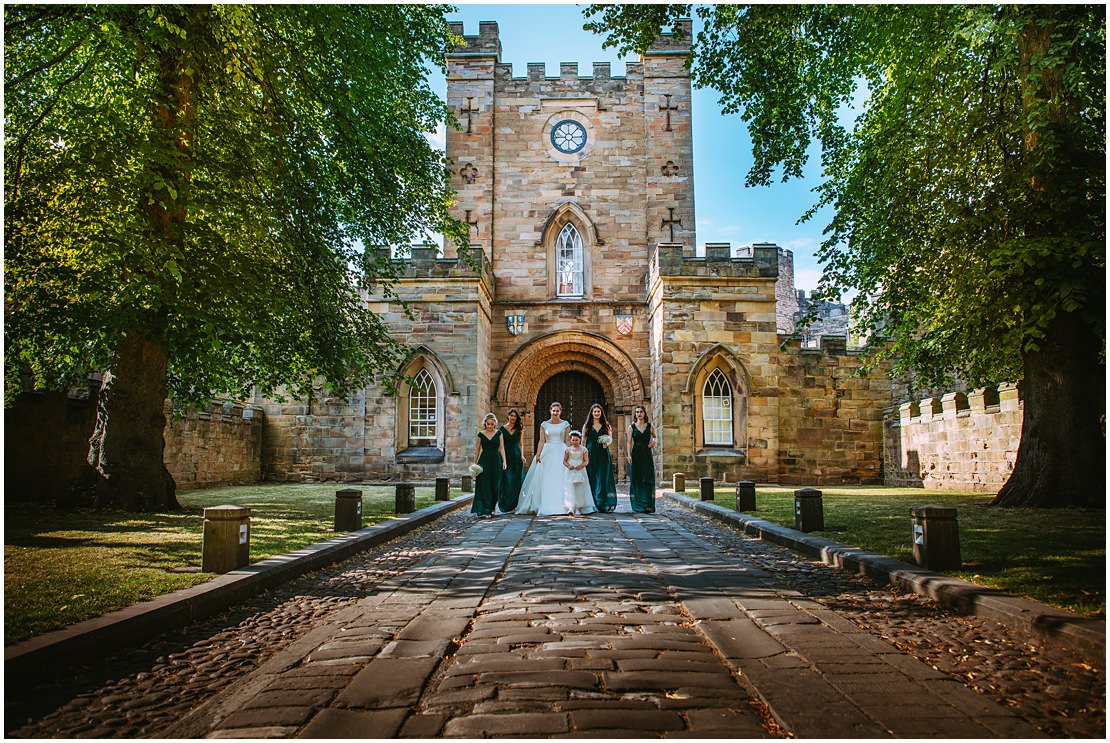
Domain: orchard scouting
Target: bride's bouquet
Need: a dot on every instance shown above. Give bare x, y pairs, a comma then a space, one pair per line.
605, 439
475, 469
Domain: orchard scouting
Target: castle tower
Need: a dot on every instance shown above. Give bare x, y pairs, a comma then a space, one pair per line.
669, 155
470, 76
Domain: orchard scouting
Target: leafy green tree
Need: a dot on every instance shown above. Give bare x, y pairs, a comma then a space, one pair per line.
968, 196
187, 189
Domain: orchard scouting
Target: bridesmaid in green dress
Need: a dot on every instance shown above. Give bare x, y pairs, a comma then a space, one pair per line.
600, 470
489, 454
639, 443
513, 474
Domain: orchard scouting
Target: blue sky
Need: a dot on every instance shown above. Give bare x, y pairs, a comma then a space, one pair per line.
726, 210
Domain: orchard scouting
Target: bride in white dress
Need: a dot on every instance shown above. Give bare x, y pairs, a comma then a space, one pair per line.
543, 491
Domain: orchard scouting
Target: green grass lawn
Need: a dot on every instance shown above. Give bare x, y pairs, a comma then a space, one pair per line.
61, 567
1056, 556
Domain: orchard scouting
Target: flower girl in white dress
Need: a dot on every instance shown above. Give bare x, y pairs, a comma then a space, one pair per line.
578, 496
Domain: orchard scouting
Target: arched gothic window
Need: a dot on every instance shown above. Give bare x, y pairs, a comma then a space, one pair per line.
716, 410
422, 410
568, 252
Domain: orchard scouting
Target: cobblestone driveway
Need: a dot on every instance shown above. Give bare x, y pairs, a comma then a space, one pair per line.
611, 625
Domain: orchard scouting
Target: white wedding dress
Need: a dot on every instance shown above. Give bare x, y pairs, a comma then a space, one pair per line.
543, 491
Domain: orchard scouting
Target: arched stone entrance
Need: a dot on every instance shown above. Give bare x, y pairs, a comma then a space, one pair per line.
576, 391
548, 356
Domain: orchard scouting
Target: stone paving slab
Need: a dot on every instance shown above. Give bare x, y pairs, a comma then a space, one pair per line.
618, 626
671, 640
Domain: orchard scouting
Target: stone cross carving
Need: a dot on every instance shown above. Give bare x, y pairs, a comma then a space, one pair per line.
473, 225
668, 108
670, 222
669, 169
470, 111
469, 173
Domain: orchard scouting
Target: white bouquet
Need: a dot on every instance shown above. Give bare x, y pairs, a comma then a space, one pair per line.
605, 439
475, 469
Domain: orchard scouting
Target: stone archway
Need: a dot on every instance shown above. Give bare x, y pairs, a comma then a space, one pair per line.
576, 391
571, 351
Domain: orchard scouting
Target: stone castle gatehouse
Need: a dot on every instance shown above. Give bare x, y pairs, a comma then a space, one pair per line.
580, 195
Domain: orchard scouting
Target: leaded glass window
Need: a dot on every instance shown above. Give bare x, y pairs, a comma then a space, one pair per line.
422, 410
716, 409
569, 256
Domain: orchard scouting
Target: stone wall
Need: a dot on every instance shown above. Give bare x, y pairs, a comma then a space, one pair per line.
218, 446
46, 443
830, 416
954, 442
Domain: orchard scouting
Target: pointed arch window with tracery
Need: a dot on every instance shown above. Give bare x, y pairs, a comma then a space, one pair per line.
569, 254
717, 410
422, 410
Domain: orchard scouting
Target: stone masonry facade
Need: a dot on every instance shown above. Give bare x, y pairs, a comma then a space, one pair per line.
651, 324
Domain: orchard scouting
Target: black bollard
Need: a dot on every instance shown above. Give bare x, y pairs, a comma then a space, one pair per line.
679, 482
936, 537
467, 484
809, 513
405, 498
745, 496
443, 488
348, 510
706, 488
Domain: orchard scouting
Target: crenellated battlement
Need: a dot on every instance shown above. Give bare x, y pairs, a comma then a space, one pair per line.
676, 42
758, 261
569, 82
486, 44
425, 261
829, 345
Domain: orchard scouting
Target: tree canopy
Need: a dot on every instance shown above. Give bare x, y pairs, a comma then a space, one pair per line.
189, 186
968, 196
207, 175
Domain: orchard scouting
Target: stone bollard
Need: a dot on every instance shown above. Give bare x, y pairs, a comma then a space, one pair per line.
679, 482
226, 544
467, 484
745, 496
405, 499
348, 510
809, 513
443, 488
706, 488
936, 537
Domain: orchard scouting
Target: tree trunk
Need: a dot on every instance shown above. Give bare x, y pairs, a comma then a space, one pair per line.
126, 466
1061, 461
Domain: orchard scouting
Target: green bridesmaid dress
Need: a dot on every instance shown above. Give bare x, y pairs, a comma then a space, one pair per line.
488, 483
513, 475
600, 471
641, 474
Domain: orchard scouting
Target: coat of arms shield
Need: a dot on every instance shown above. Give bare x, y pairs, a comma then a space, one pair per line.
624, 324
515, 324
